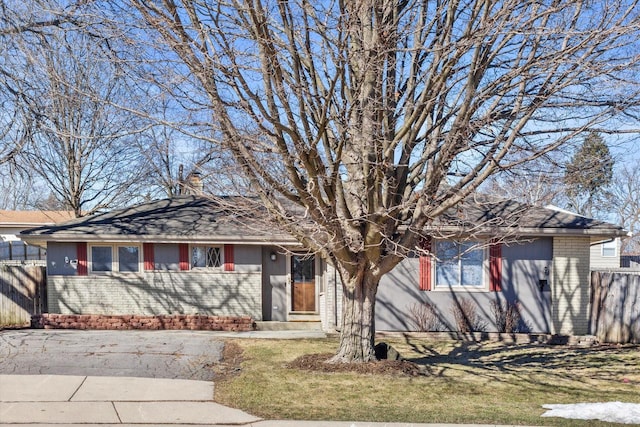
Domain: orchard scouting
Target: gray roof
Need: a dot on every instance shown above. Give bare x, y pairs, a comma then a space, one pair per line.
491, 213
193, 219
182, 218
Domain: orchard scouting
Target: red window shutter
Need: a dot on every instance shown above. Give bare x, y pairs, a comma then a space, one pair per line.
81, 254
149, 262
495, 267
183, 249
425, 265
228, 258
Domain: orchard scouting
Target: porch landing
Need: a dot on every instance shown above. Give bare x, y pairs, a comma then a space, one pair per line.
288, 326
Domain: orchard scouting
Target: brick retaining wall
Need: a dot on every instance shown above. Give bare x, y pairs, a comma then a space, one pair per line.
124, 322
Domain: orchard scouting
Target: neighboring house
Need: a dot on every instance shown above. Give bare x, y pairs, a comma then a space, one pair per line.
630, 261
605, 252
13, 222
190, 255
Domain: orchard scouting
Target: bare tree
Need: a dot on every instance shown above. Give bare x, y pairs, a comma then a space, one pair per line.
38, 16
376, 116
625, 200
538, 182
17, 21
20, 191
81, 141
166, 153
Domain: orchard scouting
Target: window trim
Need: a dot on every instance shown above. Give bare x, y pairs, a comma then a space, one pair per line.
115, 262
205, 268
484, 287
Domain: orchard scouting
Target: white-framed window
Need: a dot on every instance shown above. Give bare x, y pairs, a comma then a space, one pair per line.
610, 249
207, 256
101, 259
124, 258
128, 258
460, 264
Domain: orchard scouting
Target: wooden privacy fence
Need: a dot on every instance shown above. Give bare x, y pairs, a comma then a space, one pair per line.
615, 306
22, 293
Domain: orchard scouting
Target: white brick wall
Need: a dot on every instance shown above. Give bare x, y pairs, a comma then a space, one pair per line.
570, 285
153, 293
328, 299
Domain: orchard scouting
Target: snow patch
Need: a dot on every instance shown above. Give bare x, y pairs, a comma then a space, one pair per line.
614, 412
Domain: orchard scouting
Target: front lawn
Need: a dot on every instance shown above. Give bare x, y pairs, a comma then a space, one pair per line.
461, 382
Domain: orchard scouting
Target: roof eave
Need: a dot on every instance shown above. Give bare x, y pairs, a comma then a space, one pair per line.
231, 239
534, 231
26, 224
287, 241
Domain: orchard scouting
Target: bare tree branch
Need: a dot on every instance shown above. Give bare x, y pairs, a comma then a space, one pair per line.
376, 117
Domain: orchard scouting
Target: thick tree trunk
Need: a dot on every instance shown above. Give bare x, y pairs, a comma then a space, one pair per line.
357, 334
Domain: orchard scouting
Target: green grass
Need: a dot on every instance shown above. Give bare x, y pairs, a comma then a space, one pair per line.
486, 383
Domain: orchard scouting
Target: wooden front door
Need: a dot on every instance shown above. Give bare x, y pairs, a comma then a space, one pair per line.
303, 283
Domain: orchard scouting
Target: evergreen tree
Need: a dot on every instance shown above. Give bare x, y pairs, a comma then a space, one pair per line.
588, 175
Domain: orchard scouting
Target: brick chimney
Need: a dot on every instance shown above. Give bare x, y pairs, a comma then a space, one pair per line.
194, 185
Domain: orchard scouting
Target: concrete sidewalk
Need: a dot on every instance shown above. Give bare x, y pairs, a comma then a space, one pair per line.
59, 400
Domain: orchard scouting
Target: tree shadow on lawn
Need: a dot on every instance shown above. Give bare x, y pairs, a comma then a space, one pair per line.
560, 368
540, 364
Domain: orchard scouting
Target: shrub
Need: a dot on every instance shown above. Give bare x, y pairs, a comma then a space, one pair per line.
507, 317
465, 314
425, 318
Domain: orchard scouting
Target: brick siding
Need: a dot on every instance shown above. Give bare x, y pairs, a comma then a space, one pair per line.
570, 284
158, 293
126, 322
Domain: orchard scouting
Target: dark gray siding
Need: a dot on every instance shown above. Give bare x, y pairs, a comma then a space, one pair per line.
523, 266
62, 259
247, 258
166, 256
522, 270
274, 282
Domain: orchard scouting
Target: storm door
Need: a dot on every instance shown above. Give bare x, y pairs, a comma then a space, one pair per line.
303, 283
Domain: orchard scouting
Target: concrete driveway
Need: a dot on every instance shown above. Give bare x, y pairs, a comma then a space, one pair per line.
153, 354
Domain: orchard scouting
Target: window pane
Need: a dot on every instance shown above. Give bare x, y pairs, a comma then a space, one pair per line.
471, 265
33, 252
471, 273
101, 258
447, 267
447, 274
609, 249
303, 268
206, 256
198, 257
128, 260
4, 250
446, 251
214, 258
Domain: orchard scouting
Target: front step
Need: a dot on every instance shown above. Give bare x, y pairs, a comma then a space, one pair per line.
289, 326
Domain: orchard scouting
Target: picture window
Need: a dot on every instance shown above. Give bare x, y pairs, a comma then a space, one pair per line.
459, 264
